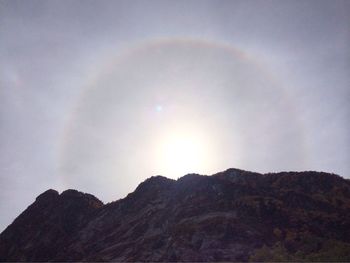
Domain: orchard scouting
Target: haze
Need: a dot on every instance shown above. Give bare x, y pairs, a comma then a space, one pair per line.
100, 95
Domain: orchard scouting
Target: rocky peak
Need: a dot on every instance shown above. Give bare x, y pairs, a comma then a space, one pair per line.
85, 199
310, 181
51, 218
48, 195
233, 215
153, 189
155, 183
72, 193
234, 175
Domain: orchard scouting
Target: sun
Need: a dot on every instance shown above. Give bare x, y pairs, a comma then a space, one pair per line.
182, 153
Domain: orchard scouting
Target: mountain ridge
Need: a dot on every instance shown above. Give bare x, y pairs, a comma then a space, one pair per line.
234, 215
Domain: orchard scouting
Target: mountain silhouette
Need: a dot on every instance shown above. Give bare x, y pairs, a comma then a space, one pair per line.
233, 215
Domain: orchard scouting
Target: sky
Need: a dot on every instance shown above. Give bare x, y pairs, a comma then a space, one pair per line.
100, 95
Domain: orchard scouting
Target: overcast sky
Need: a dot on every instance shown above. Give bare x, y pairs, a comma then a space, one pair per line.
90, 91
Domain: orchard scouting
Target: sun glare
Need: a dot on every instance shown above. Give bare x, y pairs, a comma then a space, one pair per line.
180, 154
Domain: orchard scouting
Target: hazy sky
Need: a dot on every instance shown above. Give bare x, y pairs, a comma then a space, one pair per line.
99, 95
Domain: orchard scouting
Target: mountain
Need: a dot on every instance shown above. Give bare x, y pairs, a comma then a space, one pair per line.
233, 215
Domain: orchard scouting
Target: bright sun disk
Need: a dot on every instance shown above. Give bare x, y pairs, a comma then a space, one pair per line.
180, 154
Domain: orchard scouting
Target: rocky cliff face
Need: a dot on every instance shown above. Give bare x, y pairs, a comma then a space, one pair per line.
230, 216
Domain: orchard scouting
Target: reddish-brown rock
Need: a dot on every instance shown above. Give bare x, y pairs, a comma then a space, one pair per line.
230, 216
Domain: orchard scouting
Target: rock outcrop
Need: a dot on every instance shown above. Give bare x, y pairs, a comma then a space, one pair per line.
230, 216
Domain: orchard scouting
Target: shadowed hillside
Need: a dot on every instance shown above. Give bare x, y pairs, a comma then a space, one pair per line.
230, 216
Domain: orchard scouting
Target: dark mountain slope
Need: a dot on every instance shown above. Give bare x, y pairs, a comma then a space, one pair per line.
231, 216
46, 225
